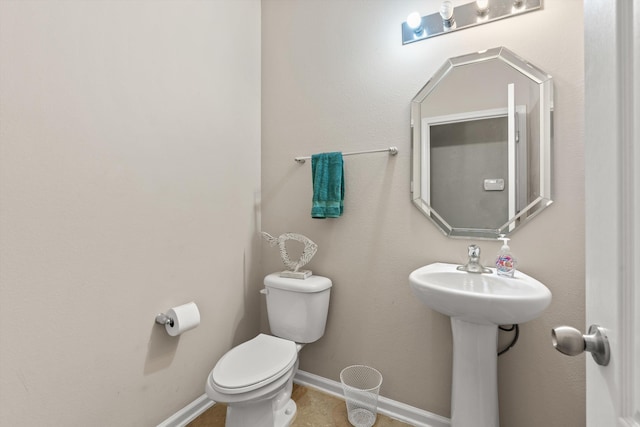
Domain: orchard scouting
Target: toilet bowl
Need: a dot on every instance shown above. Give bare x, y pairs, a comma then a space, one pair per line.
255, 378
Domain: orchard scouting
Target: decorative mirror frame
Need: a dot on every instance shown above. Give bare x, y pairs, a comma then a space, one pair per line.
420, 176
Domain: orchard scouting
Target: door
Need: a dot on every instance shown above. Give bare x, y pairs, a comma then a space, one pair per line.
612, 153
491, 147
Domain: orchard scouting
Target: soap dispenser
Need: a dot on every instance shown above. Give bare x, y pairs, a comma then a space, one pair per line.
505, 261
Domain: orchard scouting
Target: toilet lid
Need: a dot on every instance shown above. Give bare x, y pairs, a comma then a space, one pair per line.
254, 364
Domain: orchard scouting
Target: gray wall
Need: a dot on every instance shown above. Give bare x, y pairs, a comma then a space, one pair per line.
336, 77
463, 155
129, 173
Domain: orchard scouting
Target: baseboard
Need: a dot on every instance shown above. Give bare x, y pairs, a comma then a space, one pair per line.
391, 408
189, 413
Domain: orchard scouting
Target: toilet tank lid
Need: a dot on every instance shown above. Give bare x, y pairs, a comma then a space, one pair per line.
309, 285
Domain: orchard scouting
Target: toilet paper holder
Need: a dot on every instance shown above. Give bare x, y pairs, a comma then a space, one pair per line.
179, 319
163, 319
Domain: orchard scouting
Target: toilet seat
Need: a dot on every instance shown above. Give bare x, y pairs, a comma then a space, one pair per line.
253, 364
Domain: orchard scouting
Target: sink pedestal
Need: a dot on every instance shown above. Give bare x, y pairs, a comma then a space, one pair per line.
474, 390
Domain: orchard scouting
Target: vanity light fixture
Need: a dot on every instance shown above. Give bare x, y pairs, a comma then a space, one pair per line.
450, 18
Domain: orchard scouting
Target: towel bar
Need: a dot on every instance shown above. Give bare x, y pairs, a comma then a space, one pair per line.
392, 151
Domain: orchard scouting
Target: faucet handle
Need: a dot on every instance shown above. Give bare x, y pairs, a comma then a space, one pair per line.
473, 265
474, 251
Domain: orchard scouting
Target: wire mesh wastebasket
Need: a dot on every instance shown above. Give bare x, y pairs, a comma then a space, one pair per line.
361, 386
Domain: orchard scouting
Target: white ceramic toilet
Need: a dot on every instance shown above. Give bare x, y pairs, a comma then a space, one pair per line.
255, 378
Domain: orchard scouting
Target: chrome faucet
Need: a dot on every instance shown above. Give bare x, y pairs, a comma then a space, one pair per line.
473, 265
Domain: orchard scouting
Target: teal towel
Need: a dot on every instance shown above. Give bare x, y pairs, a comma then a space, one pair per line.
328, 185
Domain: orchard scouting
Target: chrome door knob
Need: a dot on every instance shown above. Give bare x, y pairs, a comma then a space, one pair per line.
570, 341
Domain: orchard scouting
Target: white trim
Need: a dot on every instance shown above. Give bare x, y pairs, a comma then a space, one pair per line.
629, 26
511, 153
189, 413
612, 163
391, 408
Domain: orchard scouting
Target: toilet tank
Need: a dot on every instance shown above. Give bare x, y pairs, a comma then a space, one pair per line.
297, 308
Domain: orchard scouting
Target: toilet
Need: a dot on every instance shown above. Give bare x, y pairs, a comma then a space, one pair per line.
255, 378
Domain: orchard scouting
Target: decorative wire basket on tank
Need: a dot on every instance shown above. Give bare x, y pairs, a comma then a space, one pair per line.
361, 386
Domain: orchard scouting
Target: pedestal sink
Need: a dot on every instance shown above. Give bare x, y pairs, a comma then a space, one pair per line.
477, 304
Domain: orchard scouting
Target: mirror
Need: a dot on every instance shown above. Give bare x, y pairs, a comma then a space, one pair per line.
481, 131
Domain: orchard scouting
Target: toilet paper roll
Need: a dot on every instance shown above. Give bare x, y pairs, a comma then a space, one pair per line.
185, 317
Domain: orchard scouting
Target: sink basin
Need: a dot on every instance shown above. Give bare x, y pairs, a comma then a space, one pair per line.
477, 305
480, 298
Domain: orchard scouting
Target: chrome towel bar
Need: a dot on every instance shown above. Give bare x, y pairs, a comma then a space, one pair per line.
391, 150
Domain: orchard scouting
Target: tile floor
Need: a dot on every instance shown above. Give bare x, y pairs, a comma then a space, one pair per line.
315, 409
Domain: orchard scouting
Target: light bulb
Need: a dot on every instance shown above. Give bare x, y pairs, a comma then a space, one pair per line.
482, 5
446, 10
414, 21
